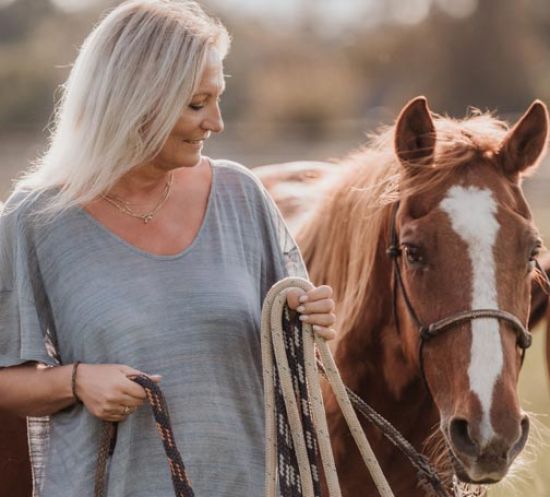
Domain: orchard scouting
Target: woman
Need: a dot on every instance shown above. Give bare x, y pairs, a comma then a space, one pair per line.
126, 250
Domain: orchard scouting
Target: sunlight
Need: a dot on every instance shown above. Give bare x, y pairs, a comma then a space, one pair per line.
458, 8
73, 5
410, 11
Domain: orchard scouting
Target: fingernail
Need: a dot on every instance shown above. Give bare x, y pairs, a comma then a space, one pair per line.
303, 299
304, 317
300, 308
316, 328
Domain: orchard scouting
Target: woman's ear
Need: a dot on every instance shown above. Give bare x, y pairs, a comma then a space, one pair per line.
526, 142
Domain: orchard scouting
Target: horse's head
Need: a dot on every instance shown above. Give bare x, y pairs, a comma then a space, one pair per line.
467, 242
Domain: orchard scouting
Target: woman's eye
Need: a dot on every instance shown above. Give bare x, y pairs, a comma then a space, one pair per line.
196, 106
413, 254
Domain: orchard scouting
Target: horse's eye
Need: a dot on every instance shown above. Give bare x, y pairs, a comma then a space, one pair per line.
413, 254
534, 254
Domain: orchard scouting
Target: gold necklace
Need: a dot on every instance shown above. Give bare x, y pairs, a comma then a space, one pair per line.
146, 217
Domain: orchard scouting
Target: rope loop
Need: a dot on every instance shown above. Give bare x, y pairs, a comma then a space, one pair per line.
283, 370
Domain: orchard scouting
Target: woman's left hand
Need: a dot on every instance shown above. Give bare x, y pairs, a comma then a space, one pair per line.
316, 307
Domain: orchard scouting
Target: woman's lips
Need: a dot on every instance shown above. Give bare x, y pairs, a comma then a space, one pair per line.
195, 143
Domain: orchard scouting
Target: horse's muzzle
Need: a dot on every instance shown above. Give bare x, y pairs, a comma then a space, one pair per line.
487, 463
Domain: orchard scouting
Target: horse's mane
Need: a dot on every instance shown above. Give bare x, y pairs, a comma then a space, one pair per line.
351, 226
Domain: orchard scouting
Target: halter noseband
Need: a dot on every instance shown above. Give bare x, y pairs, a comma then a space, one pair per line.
426, 332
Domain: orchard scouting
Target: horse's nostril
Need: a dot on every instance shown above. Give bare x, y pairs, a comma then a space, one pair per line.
518, 446
461, 439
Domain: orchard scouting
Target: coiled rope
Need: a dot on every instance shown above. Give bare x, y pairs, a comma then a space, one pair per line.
302, 479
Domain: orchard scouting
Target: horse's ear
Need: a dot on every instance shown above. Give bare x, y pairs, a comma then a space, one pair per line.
415, 134
525, 143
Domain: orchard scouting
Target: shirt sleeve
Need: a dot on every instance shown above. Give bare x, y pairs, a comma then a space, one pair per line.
293, 262
26, 330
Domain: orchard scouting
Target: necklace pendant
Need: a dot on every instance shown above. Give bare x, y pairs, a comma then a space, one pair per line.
147, 218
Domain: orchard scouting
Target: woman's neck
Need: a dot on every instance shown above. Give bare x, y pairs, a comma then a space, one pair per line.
140, 183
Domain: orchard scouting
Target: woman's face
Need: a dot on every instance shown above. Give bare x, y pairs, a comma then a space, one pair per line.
198, 120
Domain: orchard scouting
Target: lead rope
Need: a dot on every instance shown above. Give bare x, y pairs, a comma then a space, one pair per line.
180, 481
303, 479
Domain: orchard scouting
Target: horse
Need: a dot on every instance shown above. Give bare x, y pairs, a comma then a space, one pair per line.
15, 468
344, 236
425, 225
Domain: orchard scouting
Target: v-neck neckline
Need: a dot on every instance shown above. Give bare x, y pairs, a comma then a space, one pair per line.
121, 241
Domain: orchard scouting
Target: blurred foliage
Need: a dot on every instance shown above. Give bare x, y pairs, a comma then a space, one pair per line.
301, 81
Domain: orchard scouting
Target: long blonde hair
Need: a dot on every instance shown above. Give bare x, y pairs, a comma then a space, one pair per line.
133, 76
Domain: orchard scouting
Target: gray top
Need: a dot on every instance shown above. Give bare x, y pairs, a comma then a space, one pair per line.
193, 317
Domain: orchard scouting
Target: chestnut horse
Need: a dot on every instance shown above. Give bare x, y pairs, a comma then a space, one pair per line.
467, 240
463, 240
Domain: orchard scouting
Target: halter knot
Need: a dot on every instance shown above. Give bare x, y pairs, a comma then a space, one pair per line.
426, 332
525, 340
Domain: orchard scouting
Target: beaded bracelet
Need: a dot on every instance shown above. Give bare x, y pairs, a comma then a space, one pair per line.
73, 382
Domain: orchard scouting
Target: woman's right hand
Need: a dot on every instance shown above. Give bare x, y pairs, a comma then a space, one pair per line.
107, 390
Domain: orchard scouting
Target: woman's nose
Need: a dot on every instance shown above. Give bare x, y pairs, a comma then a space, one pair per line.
214, 121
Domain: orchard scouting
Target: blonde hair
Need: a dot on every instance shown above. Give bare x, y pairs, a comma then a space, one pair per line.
134, 74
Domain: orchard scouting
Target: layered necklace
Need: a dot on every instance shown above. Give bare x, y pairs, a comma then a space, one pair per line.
126, 208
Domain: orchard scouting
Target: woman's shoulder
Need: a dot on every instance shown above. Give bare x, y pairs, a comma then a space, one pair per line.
22, 204
18, 205
241, 184
238, 172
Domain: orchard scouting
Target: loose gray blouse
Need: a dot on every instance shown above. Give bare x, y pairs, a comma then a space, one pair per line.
71, 290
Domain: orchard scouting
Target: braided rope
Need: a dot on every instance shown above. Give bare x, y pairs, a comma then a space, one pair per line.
106, 442
273, 345
294, 464
288, 469
180, 481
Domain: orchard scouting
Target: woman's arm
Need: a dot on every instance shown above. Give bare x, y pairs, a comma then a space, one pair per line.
31, 389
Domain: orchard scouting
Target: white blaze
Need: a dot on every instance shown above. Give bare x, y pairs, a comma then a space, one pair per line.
472, 212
